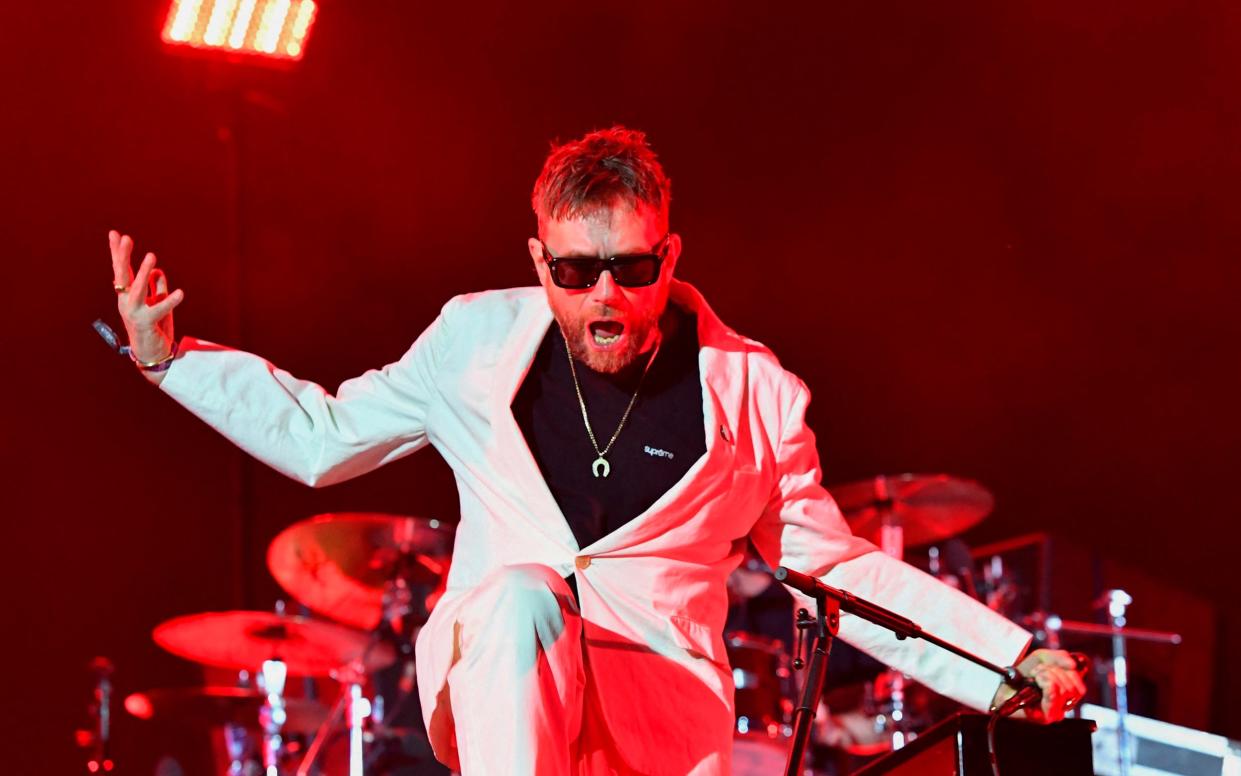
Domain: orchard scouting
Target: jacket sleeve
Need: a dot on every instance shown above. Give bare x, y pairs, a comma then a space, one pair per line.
297, 427
803, 529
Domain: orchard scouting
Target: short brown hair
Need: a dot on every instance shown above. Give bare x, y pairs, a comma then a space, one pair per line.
595, 173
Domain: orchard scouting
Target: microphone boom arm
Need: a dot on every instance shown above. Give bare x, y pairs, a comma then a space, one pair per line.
901, 627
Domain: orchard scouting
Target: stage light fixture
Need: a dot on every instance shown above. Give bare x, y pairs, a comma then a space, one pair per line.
267, 28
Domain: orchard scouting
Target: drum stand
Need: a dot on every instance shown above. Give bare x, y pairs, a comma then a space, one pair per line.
98, 739
273, 715
1115, 601
892, 543
355, 708
237, 747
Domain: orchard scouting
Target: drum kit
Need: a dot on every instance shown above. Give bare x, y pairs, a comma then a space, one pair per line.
373, 579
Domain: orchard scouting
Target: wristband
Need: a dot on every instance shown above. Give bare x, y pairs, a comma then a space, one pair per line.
159, 365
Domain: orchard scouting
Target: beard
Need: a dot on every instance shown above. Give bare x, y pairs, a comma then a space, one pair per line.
578, 337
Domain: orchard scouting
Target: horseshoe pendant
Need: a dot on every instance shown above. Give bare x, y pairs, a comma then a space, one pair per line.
601, 467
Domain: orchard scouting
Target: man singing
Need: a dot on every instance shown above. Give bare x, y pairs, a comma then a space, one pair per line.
614, 445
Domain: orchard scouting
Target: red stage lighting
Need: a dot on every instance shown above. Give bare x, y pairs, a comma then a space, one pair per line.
269, 28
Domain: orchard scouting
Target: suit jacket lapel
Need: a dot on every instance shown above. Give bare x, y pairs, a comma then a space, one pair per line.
512, 454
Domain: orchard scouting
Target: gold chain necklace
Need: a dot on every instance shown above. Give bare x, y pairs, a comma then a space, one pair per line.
600, 466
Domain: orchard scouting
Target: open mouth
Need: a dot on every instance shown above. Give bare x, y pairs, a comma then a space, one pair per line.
605, 334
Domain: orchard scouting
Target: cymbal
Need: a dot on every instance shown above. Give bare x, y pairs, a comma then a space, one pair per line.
243, 640
338, 564
929, 507
222, 706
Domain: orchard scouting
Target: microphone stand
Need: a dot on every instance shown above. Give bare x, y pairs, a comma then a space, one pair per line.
830, 601
826, 624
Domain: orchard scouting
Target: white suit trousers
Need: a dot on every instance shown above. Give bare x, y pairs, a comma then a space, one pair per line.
515, 687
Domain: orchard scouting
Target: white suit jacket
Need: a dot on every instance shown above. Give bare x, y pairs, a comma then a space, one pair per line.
652, 593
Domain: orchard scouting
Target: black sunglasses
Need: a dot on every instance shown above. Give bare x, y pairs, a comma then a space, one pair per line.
632, 270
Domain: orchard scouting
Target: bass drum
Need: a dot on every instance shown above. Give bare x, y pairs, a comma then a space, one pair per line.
764, 704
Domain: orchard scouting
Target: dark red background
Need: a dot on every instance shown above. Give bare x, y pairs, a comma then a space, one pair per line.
996, 239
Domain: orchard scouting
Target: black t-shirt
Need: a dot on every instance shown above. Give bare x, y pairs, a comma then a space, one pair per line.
660, 441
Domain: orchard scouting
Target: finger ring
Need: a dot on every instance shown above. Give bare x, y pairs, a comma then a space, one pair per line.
120, 289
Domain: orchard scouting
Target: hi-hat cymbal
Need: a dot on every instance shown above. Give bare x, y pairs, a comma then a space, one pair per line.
212, 706
338, 564
243, 640
928, 507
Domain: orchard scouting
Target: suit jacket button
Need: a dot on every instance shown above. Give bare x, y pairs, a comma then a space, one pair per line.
582, 561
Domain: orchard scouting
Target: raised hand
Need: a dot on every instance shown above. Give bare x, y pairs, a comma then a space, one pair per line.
143, 301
